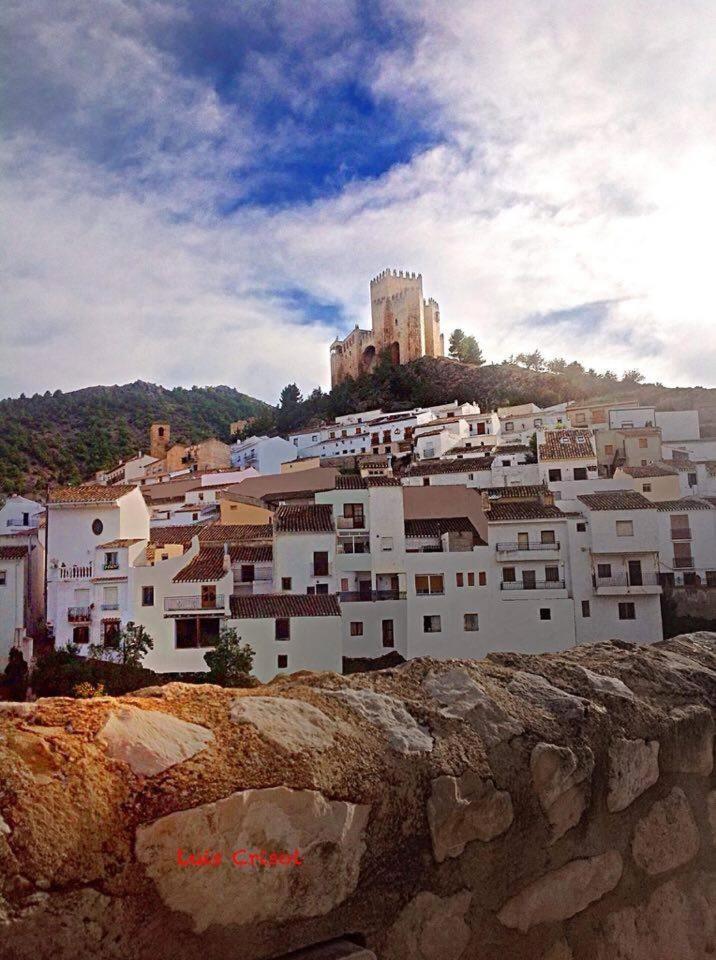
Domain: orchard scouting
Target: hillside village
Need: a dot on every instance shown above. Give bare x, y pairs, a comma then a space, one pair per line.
447, 531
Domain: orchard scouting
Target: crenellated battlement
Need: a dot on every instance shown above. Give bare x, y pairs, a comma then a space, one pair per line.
402, 321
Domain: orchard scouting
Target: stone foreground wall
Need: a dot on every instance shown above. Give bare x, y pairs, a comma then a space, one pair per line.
531, 807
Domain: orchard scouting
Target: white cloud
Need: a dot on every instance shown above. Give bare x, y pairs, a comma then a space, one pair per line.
577, 166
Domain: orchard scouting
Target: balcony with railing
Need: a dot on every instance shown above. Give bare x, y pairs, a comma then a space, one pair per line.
194, 604
681, 533
353, 543
79, 614
644, 583
350, 523
77, 571
526, 549
510, 585
114, 605
111, 565
369, 596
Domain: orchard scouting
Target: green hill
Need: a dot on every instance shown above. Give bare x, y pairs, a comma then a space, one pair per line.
66, 437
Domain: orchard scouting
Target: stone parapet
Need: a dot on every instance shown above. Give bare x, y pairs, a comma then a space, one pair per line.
553, 807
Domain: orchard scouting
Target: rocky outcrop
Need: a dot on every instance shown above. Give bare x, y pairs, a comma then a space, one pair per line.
554, 807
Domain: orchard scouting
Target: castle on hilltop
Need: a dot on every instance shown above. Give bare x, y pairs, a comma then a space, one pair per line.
402, 322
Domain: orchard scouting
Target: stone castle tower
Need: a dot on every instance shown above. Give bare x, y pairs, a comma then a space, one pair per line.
402, 322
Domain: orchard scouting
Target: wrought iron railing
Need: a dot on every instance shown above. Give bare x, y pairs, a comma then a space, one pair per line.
530, 545
358, 596
532, 585
194, 603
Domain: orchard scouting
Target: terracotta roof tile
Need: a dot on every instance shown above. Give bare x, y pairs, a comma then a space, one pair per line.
307, 518
616, 500
450, 466
350, 483
437, 526
174, 533
280, 605
235, 532
528, 491
524, 511
13, 553
382, 482
707, 503
567, 445
207, 566
90, 493
651, 470
251, 553
118, 544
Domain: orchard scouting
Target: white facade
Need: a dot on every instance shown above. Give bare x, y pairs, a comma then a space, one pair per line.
18, 514
13, 600
264, 454
678, 425
687, 542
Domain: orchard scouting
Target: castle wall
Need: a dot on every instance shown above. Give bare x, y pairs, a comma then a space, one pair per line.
401, 321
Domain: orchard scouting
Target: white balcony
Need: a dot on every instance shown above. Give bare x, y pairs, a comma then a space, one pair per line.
77, 571
196, 604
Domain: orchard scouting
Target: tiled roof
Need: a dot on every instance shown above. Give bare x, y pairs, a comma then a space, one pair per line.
437, 526
348, 482
527, 491
207, 566
481, 449
307, 518
707, 503
251, 553
567, 445
12, 553
449, 466
90, 493
118, 544
174, 533
683, 464
279, 605
651, 470
524, 511
235, 532
648, 431
512, 448
616, 500
382, 482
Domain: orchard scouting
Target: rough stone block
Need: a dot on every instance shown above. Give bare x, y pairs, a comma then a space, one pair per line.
294, 725
562, 784
563, 893
402, 731
328, 834
667, 836
633, 768
151, 741
687, 743
463, 809
430, 928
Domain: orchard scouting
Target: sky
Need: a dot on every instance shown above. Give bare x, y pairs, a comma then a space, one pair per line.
199, 193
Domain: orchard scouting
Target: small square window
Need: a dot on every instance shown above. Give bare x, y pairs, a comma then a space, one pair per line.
509, 575
581, 528
431, 624
282, 661
482, 578
321, 588
555, 476
625, 528
545, 613
460, 579
147, 596
646, 488
3, 578
604, 571
356, 628
283, 628
551, 574
547, 536
627, 611
643, 443
586, 612
580, 473
471, 622
285, 583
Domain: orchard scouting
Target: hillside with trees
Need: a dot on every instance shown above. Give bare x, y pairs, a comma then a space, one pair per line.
66, 437
520, 379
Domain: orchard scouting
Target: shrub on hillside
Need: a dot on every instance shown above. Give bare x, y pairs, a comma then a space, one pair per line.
59, 673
